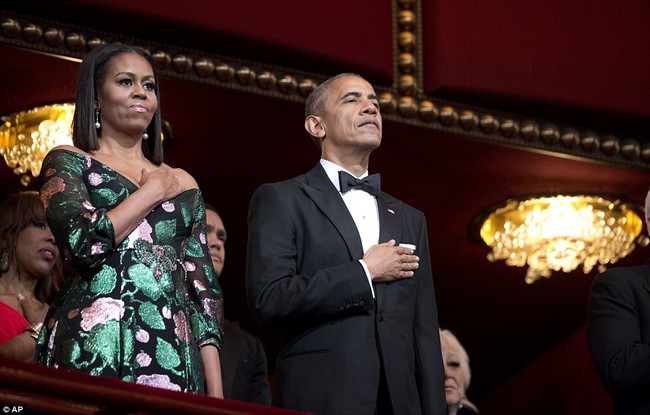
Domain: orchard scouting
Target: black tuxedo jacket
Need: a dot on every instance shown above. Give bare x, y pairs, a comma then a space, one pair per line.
244, 371
303, 273
618, 333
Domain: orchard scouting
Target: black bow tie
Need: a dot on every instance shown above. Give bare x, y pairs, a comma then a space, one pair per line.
370, 184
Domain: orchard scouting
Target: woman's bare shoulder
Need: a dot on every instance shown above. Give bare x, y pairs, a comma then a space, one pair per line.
185, 179
73, 149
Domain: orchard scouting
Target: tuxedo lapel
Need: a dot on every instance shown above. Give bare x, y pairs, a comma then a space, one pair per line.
390, 219
320, 189
390, 225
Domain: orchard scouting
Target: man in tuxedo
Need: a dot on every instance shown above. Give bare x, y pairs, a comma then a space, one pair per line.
618, 333
344, 269
244, 369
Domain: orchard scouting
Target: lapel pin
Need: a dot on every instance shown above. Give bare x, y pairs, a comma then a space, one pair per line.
391, 211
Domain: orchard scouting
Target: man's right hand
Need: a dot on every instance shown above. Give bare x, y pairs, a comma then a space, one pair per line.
388, 262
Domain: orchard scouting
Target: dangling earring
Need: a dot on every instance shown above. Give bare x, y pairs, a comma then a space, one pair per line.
97, 124
4, 262
145, 136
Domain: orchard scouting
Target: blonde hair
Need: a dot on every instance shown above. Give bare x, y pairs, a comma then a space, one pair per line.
448, 337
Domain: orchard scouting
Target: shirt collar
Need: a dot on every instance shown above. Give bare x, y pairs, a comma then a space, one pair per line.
332, 170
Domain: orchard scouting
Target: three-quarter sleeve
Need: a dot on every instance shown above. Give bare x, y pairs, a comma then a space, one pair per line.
82, 231
207, 310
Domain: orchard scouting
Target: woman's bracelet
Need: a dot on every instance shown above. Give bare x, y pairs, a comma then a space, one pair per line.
34, 330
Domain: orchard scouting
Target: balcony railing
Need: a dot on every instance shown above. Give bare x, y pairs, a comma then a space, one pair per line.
29, 388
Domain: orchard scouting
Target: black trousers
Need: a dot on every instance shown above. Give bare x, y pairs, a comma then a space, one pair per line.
384, 406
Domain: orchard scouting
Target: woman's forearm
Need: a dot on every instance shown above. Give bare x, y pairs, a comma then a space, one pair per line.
212, 371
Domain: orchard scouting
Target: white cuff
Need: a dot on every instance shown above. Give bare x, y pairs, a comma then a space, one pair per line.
365, 268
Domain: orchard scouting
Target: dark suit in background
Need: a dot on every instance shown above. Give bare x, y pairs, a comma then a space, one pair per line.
243, 366
244, 372
344, 352
618, 333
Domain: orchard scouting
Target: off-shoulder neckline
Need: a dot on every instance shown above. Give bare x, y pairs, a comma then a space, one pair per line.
115, 171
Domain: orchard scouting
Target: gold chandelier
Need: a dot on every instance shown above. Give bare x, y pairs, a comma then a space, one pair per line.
27, 136
561, 233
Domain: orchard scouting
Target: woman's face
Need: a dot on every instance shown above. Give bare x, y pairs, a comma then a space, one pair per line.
455, 375
127, 98
35, 252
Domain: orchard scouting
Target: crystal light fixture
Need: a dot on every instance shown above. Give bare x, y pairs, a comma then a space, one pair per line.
27, 136
561, 233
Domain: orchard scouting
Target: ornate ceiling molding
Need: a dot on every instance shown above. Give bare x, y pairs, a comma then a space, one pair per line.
402, 102
407, 103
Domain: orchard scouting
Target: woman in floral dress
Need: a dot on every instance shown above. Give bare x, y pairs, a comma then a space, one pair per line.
141, 301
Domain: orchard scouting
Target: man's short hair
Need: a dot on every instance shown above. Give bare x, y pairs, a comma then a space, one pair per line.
315, 104
212, 208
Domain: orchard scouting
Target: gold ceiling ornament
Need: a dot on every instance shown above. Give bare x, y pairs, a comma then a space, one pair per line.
27, 136
553, 233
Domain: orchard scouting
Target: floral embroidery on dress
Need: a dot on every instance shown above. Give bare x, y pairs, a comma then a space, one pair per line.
53, 186
91, 216
95, 179
142, 336
214, 308
159, 381
137, 311
101, 311
143, 231
160, 258
97, 248
143, 359
182, 329
50, 340
190, 266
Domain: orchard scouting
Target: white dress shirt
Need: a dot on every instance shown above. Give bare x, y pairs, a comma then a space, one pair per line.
362, 207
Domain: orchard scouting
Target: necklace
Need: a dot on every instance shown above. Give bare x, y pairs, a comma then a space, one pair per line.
18, 294
2, 281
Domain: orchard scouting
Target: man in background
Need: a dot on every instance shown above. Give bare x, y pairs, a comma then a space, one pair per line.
618, 333
243, 361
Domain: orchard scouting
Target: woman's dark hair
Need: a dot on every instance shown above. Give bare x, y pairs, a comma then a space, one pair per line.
91, 76
19, 211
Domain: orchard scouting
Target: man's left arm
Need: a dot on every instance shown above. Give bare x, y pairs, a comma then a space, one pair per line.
426, 332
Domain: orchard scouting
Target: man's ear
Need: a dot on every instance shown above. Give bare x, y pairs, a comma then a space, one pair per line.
314, 126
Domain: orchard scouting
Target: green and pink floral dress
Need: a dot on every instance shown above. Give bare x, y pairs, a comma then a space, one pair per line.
139, 310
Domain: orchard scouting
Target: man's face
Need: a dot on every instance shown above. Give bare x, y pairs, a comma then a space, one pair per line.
216, 240
351, 120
